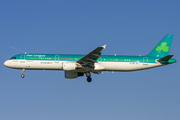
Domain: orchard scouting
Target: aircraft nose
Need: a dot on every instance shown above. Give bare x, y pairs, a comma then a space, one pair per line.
6, 63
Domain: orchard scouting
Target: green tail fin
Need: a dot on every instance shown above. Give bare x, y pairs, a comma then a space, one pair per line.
163, 47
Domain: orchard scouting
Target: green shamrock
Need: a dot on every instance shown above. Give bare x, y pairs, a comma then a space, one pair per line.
163, 47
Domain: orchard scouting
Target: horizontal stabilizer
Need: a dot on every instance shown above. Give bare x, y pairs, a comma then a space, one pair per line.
166, 58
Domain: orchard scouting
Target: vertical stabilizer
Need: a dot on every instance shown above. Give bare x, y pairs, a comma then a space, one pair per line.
163, 47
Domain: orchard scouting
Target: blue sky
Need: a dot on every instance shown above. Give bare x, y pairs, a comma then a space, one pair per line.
78, 27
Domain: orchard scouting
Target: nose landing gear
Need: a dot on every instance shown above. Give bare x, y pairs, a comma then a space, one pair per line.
23, 73
89, 79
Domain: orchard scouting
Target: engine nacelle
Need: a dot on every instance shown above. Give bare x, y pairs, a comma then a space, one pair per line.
71, 75
68, 66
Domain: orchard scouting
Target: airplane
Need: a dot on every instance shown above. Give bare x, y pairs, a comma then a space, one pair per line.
78, 65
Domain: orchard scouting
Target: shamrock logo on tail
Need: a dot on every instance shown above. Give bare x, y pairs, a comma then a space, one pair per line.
163, 47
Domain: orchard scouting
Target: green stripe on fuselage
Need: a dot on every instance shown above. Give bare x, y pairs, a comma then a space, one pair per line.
68, 57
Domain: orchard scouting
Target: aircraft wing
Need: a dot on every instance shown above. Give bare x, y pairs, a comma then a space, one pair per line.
92, 57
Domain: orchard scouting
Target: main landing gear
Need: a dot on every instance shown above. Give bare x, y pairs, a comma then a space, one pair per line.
23, 73
88, 74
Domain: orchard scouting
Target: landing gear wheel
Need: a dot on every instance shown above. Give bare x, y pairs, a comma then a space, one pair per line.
89, 79
22, 76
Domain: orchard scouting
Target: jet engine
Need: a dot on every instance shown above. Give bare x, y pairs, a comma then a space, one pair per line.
71, 75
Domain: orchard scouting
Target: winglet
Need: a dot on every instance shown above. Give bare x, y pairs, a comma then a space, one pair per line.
104, 46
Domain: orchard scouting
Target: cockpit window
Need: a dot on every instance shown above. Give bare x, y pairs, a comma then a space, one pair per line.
13, 58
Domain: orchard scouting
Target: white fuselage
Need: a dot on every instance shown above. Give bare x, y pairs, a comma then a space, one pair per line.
99, 66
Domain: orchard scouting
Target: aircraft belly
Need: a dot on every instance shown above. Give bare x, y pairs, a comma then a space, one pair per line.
127, 66
103, 66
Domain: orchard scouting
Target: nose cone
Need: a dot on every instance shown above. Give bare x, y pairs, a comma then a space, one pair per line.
6, 63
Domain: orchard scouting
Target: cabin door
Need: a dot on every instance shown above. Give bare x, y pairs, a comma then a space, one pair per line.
56, 58
22, 58
145, 60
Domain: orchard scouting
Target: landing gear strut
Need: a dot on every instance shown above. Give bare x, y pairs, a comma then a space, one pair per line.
88, 74
23, 73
